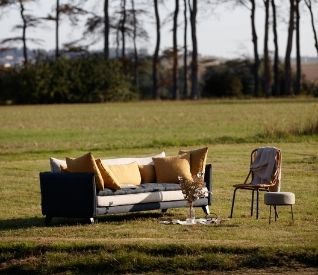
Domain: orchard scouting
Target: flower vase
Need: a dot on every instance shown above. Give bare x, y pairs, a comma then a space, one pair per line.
191, 214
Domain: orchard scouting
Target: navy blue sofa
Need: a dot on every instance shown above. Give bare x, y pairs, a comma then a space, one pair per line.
74, 195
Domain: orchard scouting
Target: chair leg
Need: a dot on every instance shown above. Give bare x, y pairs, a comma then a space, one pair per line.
252, 204
233, 200
257, 199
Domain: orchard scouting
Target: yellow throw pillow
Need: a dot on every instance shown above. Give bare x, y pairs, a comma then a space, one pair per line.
86, 163
127, 175
197, 159
169, 168
147, 173
110, 181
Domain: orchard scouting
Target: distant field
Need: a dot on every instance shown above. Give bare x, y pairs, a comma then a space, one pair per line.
310, 71
137, 243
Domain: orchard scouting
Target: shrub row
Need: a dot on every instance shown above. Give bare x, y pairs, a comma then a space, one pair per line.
234, 78
92, 79
85, 79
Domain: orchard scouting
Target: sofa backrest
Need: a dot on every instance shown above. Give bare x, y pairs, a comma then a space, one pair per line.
139, 160
56, 164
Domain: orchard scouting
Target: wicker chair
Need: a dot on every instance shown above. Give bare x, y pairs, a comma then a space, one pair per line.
273, 185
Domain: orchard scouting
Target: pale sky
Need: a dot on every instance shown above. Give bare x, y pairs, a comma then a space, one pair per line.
224, 31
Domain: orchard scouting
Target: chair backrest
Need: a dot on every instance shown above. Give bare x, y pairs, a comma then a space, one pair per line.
265, 167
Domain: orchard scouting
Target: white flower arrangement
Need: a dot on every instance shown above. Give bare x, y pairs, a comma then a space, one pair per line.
193, 189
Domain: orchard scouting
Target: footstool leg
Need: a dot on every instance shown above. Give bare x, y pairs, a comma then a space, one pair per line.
291, 208
276, 215
270, 214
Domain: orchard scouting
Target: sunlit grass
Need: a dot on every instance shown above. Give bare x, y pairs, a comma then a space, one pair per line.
137, 243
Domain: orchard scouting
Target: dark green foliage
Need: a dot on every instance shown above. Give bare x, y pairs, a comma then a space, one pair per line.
85, 79
230, 79
310, 88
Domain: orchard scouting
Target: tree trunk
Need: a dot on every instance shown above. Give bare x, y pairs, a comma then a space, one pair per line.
256, 56
175, 86
276, 84
123, 29
267, 73
57, 23
309, 6
24, 27
136, 79
194, 61
185, 53
156, 54
106, 30
288, 78
117, 41
298, 57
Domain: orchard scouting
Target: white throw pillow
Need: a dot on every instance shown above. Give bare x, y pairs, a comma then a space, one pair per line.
56, 165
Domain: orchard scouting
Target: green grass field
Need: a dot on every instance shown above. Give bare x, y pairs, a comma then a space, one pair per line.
137, 243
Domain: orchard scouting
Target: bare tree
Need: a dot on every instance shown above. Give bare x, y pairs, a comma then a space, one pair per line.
276, 90
123, 28
251, 5
134, 23
28, 21
194, 62
106, 30
72, 11
57, 21
309, 6
24, 27
175, 86
298, 57
185, 51
256, 56
267, 73
156, 53
288, 79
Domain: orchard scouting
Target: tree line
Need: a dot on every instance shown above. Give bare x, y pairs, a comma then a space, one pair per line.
120, 21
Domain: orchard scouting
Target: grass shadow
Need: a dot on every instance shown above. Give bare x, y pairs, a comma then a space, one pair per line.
21, 223
132, 216
31, 222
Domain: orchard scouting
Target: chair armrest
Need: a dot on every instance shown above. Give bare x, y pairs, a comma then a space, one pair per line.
68, 194
208, 181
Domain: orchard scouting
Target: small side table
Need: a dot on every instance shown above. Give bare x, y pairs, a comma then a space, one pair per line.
278, 199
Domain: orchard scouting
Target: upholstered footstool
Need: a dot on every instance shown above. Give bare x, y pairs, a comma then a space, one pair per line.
279, 198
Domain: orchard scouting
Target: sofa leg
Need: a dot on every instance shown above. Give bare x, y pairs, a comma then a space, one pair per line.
206, 209
47, 220
91, 220
164, 210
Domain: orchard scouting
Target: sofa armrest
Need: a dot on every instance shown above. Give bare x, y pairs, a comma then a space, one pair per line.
208, 181
68, 194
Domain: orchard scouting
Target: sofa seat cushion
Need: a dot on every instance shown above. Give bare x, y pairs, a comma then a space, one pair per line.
142, 194
142, 188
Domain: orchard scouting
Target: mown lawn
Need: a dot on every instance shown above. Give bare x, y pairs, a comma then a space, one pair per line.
137, 243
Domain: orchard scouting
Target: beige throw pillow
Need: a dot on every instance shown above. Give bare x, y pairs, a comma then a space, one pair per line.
197, 159
86, 163
169, 168
147, 172
110, 181
126, 175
